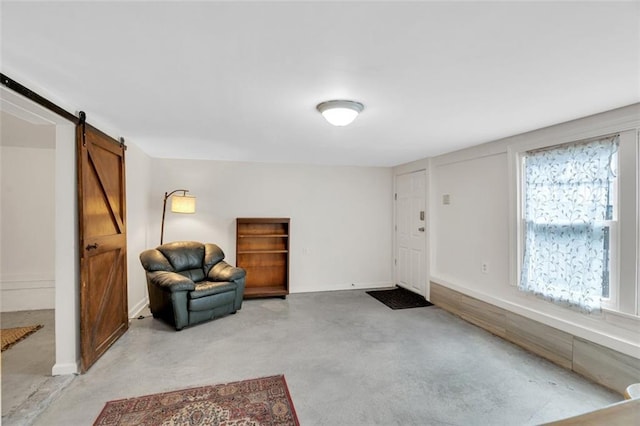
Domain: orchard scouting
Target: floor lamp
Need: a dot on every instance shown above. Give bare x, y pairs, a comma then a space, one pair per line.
179, 204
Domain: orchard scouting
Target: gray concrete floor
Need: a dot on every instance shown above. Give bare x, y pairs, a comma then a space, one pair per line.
26, 366
348, 360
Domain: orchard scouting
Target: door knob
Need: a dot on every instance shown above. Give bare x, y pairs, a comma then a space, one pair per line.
92, 246
421, 229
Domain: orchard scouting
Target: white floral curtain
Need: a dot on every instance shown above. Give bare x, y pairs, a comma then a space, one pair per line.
568, 199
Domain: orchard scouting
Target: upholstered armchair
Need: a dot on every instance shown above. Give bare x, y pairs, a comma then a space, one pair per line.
189, 282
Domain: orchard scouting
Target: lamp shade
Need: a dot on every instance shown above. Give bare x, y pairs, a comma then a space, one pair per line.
340, 112
183, 203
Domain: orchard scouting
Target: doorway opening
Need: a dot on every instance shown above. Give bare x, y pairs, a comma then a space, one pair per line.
39, 242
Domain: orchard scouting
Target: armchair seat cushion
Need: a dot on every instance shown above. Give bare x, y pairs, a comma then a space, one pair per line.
212, 301
189, 282
207, 288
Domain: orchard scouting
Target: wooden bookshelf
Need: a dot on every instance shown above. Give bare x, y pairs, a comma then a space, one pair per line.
262, 249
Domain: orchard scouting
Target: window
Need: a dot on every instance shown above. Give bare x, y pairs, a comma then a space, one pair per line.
569, 215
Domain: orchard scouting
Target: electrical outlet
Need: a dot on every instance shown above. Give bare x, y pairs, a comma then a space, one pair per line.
484, 268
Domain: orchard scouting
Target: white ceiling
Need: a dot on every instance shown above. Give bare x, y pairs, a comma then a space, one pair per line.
240, 81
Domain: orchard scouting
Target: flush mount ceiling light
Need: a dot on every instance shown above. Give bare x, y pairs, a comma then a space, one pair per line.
340, 112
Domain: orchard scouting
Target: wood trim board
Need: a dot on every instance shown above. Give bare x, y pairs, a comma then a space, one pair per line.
620, 414
607, 367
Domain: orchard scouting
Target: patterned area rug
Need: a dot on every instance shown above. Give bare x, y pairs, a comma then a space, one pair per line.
11, 336
255, 402
400, 298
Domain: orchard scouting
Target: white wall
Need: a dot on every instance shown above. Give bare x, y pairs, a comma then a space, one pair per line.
478, 227
138, 169
341, 217
473, 228
27, 264
67, 299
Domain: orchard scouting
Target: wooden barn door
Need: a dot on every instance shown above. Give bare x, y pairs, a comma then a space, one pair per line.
103, 265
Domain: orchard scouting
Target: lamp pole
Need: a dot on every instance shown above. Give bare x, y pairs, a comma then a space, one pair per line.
164, 209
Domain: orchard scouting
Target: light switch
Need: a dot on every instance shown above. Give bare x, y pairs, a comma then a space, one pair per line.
446, 199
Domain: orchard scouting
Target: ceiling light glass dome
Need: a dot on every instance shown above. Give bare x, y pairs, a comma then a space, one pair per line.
340, 112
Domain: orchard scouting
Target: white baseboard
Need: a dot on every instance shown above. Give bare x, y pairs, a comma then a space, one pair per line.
370, 285
27, 292
61, 369
27, 299
345, 286
138, 307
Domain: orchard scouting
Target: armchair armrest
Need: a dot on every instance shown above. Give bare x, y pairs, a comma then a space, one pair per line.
153, 260
171, 281
222, 271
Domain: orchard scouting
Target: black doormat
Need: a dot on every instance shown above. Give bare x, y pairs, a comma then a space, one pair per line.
400, 298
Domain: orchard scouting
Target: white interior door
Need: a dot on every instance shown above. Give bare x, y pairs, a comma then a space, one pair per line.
411, 253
